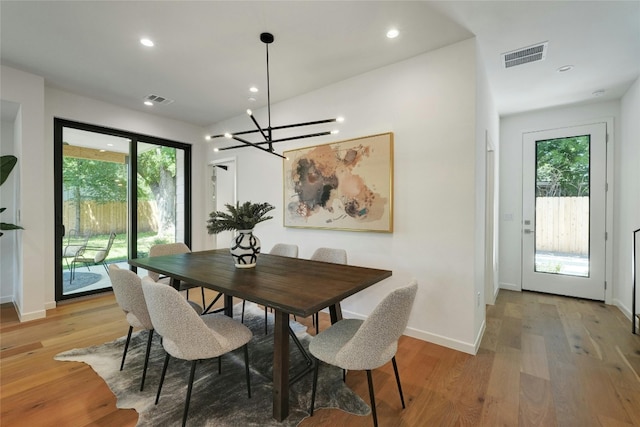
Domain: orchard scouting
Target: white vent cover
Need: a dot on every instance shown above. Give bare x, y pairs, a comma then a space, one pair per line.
156, 99
525, 55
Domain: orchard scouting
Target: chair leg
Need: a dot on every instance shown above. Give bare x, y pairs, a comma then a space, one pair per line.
266, 326
373, 398
315, 385
395, 369
219, 364
246, 368
242, 317
186, 403
203, 301
126, 347
317, 316
146, 359
164, 371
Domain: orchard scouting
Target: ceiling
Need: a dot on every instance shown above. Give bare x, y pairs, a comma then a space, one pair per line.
207, 53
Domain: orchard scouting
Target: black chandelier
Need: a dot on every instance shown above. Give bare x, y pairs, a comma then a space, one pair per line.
267, 133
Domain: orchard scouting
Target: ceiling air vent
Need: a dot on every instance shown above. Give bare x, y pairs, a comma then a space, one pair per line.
156, 99
525, 55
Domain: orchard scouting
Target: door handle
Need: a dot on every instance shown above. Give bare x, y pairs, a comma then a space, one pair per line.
528, 231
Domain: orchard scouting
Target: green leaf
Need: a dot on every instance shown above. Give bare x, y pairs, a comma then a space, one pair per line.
5, 226
6, 166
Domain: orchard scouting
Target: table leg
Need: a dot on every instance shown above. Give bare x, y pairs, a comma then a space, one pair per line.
336, 312
175, 283
281, 366
228, 305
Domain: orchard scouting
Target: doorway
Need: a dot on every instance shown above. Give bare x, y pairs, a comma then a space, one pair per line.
564, 211
116, 194
223, 191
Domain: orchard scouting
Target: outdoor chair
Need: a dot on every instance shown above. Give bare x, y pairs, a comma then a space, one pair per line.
93, 256
76, 244
366, 344
188, 336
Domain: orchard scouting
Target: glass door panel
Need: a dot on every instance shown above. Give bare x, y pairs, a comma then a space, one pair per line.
161, 186
562, 206
94, 205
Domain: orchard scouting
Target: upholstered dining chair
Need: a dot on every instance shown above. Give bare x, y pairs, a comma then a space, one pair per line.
127, 289
170, 249
353, 344
187, 336
280, 249
333, 255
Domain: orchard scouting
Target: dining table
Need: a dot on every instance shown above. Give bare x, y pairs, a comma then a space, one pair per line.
290, 286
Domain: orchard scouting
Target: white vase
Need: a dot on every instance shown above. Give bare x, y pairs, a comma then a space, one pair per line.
244, 249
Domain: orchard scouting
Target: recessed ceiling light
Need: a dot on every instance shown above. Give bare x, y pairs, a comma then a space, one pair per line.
253, 89
565, 68
146, 42
599, 92
252, 99
393, 33
109, 145
149, 103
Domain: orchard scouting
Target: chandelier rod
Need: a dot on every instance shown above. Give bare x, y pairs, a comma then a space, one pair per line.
292, 138
244, 132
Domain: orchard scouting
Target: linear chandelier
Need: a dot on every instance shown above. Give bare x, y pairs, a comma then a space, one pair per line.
267, 132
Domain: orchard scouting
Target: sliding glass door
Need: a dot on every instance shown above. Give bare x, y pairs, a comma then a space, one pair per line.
117, 193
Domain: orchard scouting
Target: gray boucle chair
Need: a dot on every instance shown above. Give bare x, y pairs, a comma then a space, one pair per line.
280, 249
170, 249
335, 256
366, 344
188, 336
127, 289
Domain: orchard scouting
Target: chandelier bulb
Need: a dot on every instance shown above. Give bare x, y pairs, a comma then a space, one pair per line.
227, 135
249, 112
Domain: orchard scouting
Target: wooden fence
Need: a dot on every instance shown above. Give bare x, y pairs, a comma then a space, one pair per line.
562, 224
103, 218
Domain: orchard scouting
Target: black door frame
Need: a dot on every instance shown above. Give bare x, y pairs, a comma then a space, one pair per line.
58, 126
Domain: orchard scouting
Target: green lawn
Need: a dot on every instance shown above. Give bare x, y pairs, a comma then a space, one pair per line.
118, 250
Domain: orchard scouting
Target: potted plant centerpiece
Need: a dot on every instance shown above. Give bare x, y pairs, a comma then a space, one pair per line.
242, 218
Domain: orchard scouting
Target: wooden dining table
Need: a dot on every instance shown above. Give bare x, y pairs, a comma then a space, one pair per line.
295, 286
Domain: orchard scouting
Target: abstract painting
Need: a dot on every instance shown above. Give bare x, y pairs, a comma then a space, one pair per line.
346, 185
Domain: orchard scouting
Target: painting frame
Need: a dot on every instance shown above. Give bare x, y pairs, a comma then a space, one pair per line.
345, 185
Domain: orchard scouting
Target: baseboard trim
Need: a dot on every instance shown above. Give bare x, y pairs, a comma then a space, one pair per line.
433, 338
7, 299
510, 287
34, 315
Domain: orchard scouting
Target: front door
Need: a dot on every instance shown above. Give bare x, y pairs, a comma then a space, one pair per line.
564, 206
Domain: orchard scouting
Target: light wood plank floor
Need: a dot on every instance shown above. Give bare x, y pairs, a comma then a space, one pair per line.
544, 361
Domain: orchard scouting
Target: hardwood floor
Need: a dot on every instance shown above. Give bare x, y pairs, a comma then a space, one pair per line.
544, 361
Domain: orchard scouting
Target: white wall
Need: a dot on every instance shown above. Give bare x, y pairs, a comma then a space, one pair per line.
627, 198
511, 130
29, 281
487, 128
8, 199
429, 102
